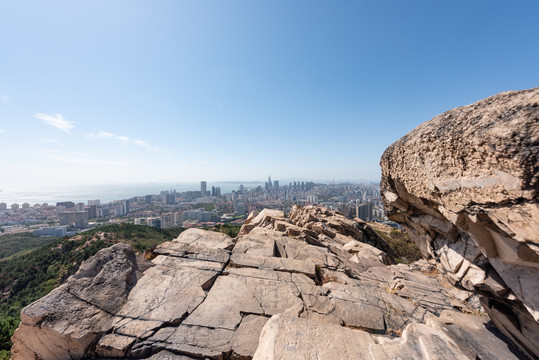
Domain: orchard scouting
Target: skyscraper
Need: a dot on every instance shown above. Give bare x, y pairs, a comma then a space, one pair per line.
203, 188
92, 211
126, 206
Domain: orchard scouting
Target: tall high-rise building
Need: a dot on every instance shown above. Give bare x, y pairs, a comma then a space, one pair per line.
3, 206
365, 211
203, 188
126, 206
216, 191
169, 199
95, 202
14, 206
81, 219
92, 211
269, 184
148, 199
67, 218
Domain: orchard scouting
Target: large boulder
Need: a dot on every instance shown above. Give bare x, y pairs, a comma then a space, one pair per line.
465, 186
64, 324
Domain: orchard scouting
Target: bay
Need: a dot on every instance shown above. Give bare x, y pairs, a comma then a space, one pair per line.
14, 193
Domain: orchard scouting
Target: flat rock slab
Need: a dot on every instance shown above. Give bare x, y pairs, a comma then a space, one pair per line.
272, 263
192, 252
245, 340
286, 337
296, 338
196, 341
134, 327
167, 293
176, 262
231, 296
114, 345
205, 239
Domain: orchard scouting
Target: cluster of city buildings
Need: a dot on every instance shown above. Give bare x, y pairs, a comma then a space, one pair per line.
204, 207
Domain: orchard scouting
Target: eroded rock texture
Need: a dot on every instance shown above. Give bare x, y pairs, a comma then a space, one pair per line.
465, 185
313, 285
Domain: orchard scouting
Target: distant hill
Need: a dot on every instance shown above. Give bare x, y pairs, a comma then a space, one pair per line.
16, 244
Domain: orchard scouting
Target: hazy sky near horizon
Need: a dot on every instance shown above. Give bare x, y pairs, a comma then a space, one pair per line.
178, 91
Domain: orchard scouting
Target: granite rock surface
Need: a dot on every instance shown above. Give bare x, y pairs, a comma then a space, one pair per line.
310, 285
465, 186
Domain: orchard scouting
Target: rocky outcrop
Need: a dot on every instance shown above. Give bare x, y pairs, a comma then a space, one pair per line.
311, 285
465, 186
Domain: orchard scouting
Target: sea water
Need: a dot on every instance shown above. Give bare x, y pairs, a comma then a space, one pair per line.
13, 193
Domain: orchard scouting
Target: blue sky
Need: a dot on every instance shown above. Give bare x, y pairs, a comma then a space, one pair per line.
96, 92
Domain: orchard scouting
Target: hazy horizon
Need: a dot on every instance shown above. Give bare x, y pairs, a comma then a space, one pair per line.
52, 193
133, 91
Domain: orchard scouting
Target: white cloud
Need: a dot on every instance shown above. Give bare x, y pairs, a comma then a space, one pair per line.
124, 139
49, 140
57, 121
6, 99
100, 135
140, 142
2, 131
104, 134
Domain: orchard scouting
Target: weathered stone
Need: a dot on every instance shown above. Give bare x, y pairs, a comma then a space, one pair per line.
205, 239
195, 302
114, 345
259, 242
167, 294
465, 186
192, 252
231, 296
359, 315
298, 338
245, 339
137, 328
63, 324
292, 338
196, 341
272, 263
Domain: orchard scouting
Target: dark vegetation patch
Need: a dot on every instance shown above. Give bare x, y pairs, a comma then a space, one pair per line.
231, 230
12, 245
406, 250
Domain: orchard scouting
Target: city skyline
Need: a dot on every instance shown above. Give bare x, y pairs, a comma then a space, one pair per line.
172, 208
109, 193
127, 91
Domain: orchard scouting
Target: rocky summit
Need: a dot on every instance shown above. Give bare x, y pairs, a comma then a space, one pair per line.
465, 186
313, 284
310, 285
